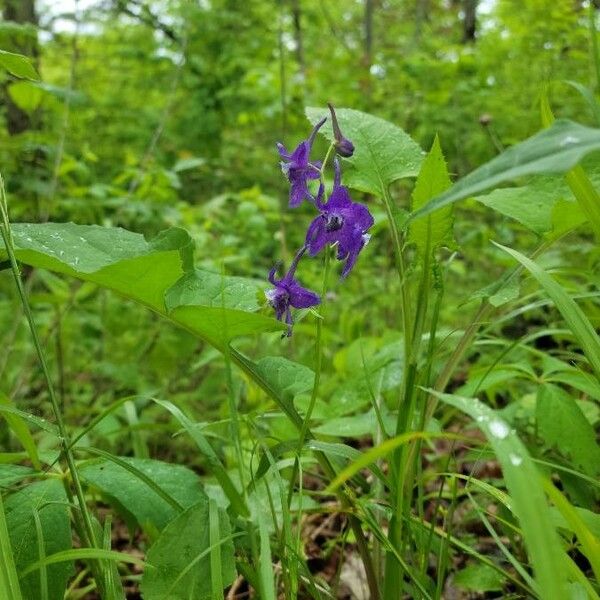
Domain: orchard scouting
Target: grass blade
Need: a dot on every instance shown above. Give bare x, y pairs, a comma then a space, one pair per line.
579, 324
529, 502
9, 580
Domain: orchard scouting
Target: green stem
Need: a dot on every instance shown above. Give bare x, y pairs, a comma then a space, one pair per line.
64, 436
318, 355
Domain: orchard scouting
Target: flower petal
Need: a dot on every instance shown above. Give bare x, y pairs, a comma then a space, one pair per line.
301, 297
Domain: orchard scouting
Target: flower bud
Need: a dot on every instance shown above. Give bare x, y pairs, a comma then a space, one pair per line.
343, 146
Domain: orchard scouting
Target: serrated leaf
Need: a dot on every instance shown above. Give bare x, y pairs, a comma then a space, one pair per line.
18, 65
139, 501
383, 153
436, 230
50, 500
178, 565
563, 426
553, 150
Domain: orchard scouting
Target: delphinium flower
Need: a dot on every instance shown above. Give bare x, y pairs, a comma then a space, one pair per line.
341, 222
298, 168
287, 292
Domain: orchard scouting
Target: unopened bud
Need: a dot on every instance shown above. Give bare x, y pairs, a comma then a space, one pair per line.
343, 146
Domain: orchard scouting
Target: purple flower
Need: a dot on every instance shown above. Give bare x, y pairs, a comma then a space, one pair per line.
298, 169
341, 221
343, 146
288, 292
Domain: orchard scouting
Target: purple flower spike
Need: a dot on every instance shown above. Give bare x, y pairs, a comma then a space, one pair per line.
289, 293
341, 221
298, 169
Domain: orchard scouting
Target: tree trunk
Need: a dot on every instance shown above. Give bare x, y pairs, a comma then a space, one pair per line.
367, 59
21, 12
470, 21
297, 18
421, 16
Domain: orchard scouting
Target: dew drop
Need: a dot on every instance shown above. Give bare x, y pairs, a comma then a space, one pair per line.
515, 459
499, 429
570, 139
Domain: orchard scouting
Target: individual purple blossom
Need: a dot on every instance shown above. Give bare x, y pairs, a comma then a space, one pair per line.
289, 293
298, 169
341, 221
343, 146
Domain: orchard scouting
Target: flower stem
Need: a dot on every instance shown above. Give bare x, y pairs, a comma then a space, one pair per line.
5, 230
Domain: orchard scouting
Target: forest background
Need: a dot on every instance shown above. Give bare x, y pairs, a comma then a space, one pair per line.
150, 115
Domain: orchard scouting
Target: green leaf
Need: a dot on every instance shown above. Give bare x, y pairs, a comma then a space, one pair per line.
204, 288
9, 578
590, 543
479, 578
148, 272
579, 324
435, 231
383, 153
18, 65
26, 95
553, 150
21, 430
563, 426
584, 191
135, 498
10, 474
528, 499
286, 377
533, 205
50, 500
178, 564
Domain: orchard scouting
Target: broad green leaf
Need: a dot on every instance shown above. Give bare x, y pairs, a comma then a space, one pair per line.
528, 499
49, 499
434, 231
579, 324
178, 564
204, 288
286, 377
383, 153
533, 205
135, 498
563, 427
149, 273
18, 65
25, 95
10, 474
479, 578
553, 150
